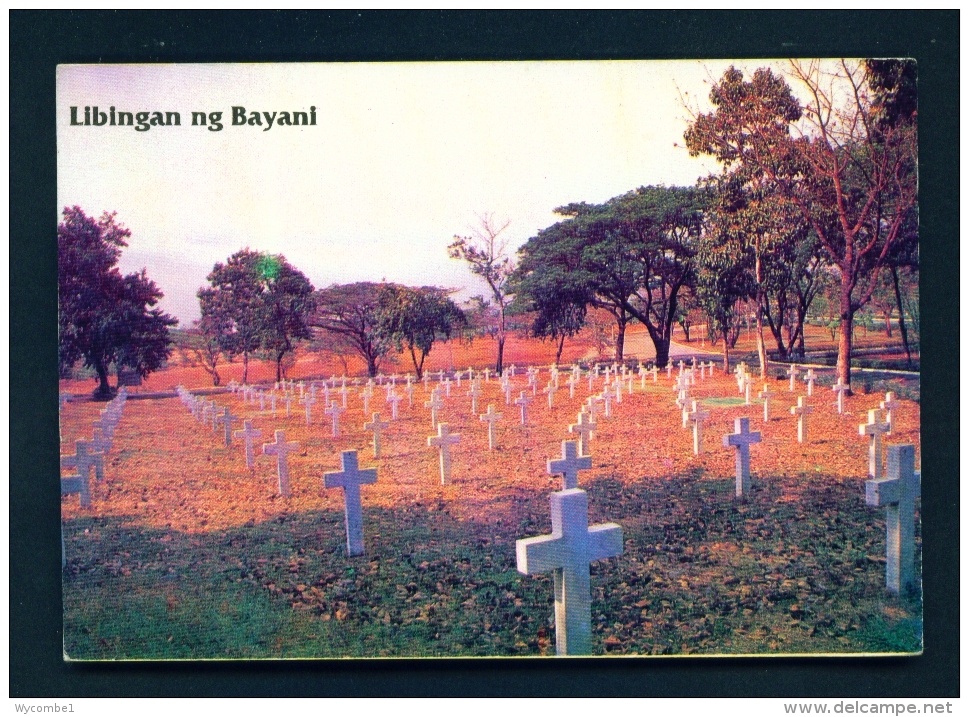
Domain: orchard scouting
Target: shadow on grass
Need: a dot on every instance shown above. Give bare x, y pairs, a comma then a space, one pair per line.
796, 567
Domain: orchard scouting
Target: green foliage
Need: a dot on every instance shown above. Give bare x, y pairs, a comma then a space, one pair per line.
630, 256
849, 169
199, 346
256, 302
105, 317
417, 317
797, 567
353, 313
486, 254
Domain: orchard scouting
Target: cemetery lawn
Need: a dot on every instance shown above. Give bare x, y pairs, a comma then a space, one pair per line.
187, 554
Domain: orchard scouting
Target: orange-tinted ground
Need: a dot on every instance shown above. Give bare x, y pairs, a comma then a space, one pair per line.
161, 451
171, 481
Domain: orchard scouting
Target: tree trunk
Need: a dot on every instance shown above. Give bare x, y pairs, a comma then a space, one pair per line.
759, 308
726, 353
558, 354
777, 329
216, 379
845, 336
901, 317
888, 323
499, 367
621, 339
104, 389
417, 367
662, 347
279, 368
245, 367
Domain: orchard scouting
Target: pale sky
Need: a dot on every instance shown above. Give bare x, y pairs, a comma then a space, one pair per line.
401, 159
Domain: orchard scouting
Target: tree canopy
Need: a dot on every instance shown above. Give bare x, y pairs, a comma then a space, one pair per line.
105, 317
845, 161
630, 256
257, 301
486, 254
414, 318
353, 312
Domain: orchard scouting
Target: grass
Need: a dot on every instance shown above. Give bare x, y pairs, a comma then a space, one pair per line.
796, 567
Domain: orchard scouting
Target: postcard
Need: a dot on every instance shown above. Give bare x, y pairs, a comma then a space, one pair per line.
489, 359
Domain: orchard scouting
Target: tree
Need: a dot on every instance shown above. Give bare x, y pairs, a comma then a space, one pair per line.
632, 255
771, 242
557, 302
723, 280
289, 302
105, 317
234, 306
487, 256
850, 174
257, 301
417, 317
199, 345
353, 312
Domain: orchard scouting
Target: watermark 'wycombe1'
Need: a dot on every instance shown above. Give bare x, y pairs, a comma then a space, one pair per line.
144, 121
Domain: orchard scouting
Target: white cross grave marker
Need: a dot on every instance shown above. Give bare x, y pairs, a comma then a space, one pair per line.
491, 417
226, 419
393, 399
335, 410
585, 427
571, 381
435, 405
444, 440
897, 493
569, 465
523, 400
375, 425
474, 393
607, 396
809, 379
842, 389
766, 396
792, 372
308, 401
802, 411
550, 390
567, 552
741, 439
83, 460
350, 478
889, 405
281, 449
247, 434
875, 429
698, 417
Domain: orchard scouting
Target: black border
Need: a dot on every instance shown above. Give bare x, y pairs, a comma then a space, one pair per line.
39, 40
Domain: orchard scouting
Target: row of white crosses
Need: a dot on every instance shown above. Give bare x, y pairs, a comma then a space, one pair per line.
573, 543
567, 552
89, 455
